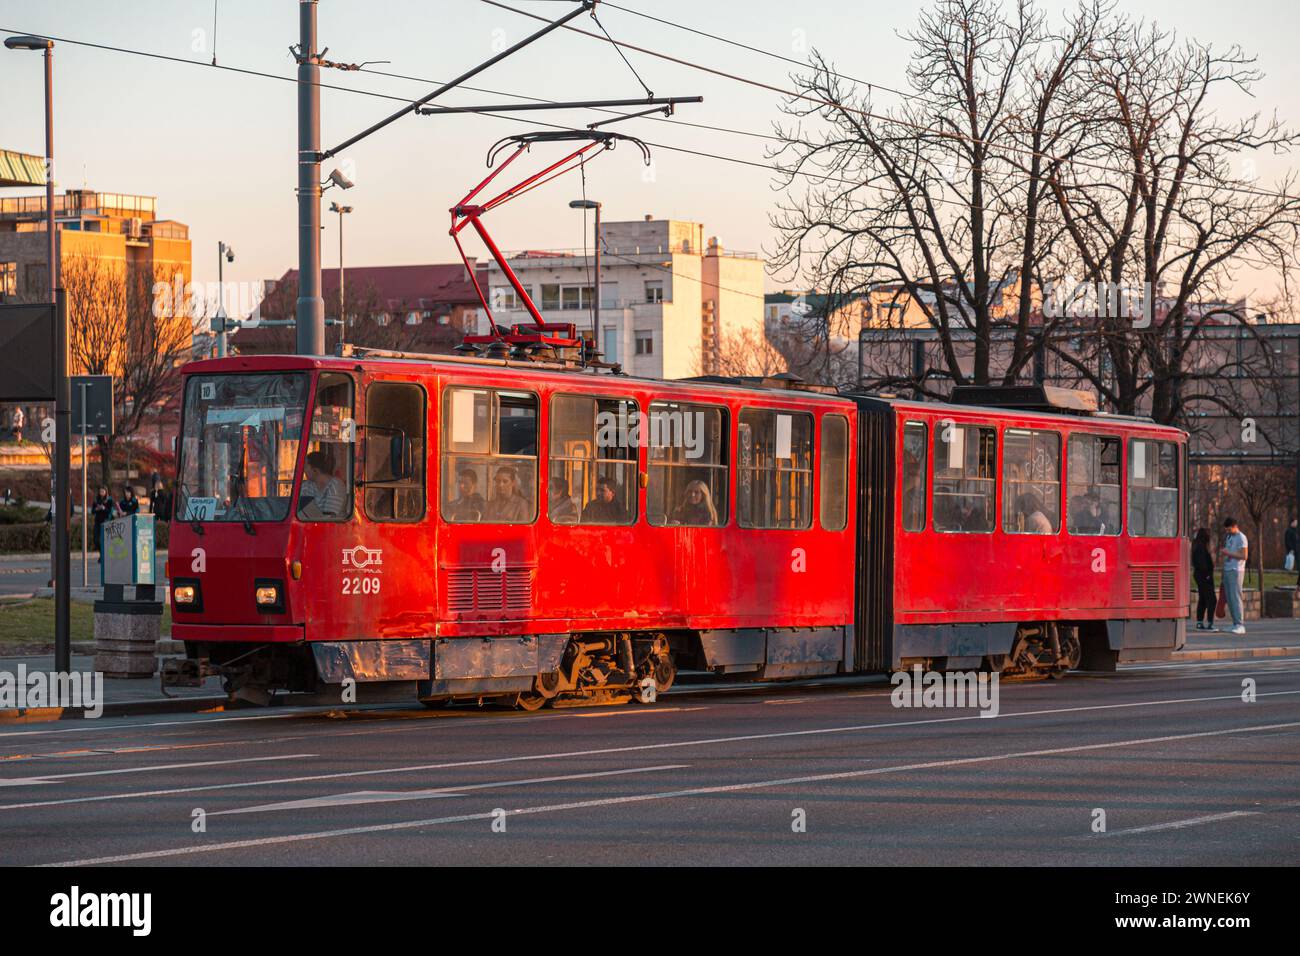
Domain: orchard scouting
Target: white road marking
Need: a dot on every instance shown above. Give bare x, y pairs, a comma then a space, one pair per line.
644, 797
1179, 824
394, 796
1198, 821
50, 778
634, 748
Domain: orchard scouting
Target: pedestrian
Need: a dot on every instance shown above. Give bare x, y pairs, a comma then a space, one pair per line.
102, 508
18, 421
1234, 551
160, 501
1292, 546
129, 504
1203, 574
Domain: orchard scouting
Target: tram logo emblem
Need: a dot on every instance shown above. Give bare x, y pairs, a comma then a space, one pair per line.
361, 557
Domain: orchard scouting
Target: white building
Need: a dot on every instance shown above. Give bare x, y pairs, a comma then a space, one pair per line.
667, 299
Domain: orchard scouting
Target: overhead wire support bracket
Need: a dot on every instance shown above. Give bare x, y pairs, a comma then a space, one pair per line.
663, 104
585, 7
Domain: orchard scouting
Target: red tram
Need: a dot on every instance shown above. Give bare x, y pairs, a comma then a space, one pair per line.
468, 528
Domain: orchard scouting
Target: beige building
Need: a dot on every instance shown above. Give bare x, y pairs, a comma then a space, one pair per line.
667, 297
121, 228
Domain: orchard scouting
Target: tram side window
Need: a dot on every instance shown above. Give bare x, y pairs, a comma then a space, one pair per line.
395, 452
965, 459
1031, 481
1152, 489
489, 456
687, 484
326, 490
914, 453
834, 472
591, 475
774, 469
1092, 492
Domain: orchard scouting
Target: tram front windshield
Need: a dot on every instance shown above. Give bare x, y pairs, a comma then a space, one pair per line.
240, 445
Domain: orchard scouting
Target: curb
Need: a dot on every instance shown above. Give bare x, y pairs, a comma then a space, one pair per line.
1235, 653
129, 708
166, 647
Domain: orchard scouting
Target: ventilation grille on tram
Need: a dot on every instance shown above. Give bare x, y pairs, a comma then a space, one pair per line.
1152, 584
482, 589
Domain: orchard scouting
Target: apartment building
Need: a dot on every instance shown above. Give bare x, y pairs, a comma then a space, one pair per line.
669, 300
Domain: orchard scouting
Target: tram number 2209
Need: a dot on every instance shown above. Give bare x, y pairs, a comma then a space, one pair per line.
361, 585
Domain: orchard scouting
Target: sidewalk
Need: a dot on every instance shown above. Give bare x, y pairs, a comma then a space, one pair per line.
122, 697
1269, 637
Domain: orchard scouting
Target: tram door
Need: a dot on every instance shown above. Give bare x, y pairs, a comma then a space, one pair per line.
389, 578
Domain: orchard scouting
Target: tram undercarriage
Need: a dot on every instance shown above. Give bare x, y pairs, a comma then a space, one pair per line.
533, 671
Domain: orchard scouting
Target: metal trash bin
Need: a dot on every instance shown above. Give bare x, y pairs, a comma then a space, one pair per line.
127, 631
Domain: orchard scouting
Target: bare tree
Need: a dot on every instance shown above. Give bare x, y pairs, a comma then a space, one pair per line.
1260, 490
941, 199
113, 329
1154, 202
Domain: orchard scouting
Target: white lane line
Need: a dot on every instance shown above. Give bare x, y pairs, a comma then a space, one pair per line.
51, 778
634, 748
1192, 822
1198, 821
360, 797
663, 795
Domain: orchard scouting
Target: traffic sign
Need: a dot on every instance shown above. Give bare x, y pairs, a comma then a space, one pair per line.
95, 394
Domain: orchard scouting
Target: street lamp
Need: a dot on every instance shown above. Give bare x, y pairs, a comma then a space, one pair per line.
595, 312
224, 254
62, 384
343, 321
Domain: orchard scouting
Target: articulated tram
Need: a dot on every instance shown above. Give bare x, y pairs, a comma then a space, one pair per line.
534, 532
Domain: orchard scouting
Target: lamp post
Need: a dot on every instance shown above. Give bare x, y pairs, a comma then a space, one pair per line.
343, 320
62, 384
224, 254
595, 312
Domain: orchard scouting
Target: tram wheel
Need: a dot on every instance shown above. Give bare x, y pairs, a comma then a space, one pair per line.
665, 673
530, 701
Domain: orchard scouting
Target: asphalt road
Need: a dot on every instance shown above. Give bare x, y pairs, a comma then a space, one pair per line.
1185, 771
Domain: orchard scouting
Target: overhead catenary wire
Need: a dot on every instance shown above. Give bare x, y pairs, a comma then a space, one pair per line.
703, 154
868, 114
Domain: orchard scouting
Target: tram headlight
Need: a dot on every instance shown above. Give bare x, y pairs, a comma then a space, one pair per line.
187, 595
268, 594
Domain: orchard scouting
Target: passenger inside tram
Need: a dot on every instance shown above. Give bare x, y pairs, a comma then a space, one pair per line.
469, 505
508, 503
696, 507
1033, 519
605, 507
561, 507
967, 514
1087, 517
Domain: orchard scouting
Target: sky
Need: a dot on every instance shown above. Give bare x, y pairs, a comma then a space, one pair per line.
217, 148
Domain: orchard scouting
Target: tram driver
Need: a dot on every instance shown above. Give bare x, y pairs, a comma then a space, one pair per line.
321, 495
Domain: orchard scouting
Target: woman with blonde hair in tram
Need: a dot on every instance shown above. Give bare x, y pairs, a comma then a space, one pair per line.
696, 507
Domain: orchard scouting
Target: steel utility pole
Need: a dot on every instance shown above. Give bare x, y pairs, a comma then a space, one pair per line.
62, 502
310, 311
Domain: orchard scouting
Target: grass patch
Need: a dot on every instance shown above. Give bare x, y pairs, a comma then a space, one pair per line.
31, 621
